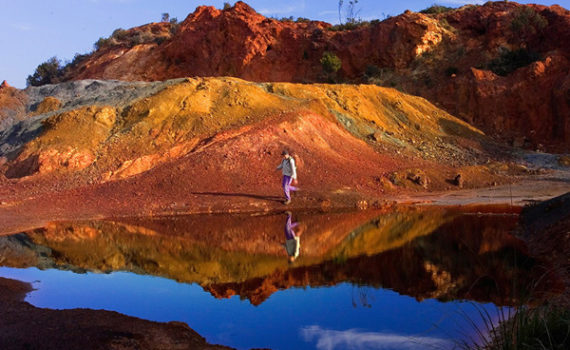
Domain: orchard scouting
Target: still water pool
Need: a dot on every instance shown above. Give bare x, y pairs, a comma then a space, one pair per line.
411, 280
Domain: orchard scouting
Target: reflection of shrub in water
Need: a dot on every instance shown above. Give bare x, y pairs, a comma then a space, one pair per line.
340, 259
361, 297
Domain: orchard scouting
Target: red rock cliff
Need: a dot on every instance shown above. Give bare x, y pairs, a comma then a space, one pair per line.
441, 57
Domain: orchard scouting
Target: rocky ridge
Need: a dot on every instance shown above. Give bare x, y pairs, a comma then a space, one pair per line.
444, 57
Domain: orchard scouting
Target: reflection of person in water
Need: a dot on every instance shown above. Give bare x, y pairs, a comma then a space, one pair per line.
292, 239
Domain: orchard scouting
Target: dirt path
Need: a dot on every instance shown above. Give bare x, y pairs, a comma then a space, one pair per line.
528, 190
84, 204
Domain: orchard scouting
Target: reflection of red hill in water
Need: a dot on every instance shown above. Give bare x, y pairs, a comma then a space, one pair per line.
201, 249
230, 255
460, 260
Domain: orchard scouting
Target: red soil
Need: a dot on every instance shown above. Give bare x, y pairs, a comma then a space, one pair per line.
243, 162
231, 171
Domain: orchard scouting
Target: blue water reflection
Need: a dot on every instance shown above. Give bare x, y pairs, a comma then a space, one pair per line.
341, 317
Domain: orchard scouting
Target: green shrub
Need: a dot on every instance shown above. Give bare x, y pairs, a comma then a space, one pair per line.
436, 9
528, 21
78, 58
131, 38
348, 26
120, 34
527, 24
47, 72
174, 27
69, 65
101, 43
227, 6
509, 61
543, 327
141, 38
330, 62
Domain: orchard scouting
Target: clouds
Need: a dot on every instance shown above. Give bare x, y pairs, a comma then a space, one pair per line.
23, 27
355, 339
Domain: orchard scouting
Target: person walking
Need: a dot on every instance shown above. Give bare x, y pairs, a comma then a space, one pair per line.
289, 171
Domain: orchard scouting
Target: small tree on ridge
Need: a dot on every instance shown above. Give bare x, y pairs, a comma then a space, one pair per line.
46, 73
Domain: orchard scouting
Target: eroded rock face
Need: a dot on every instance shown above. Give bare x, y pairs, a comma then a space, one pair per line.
69, 142
240, 42
412, 51
527, 108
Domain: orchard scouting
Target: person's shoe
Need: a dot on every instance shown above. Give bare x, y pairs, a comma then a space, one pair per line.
288, 201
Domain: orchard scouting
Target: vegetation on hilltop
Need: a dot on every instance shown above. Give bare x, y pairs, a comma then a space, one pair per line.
526, 23
436, 9
46, 73
52, 71
130, 38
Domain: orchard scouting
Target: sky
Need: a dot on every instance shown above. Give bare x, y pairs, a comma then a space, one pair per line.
34, 31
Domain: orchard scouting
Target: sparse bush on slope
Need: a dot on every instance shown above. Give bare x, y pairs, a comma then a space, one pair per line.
330, 62
436, 9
